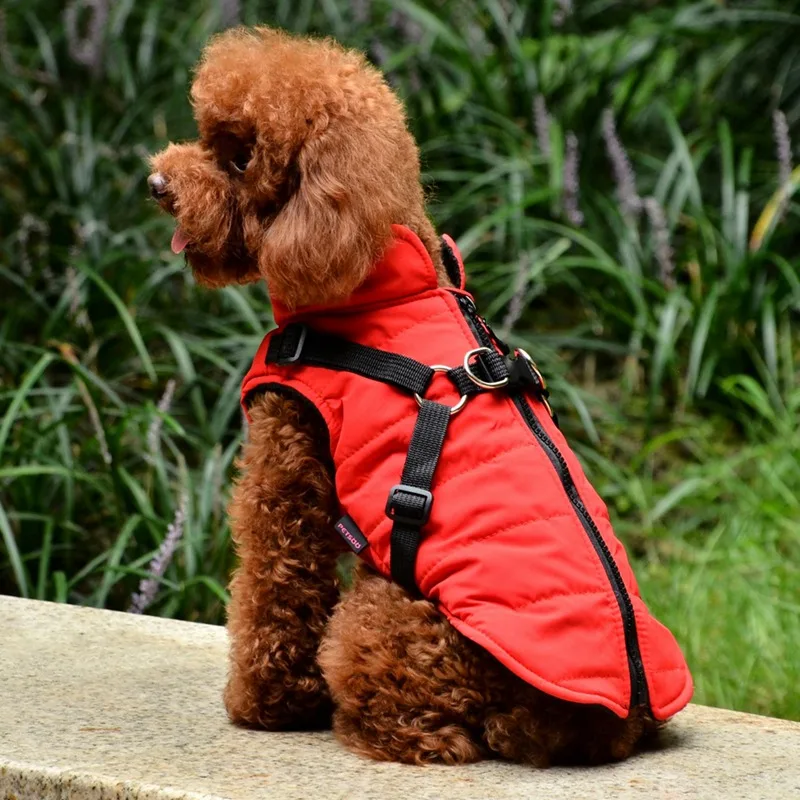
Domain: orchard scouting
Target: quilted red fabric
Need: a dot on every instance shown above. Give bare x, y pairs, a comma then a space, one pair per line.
504, 555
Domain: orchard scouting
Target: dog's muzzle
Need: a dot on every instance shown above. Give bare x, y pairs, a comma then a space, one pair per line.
158, 185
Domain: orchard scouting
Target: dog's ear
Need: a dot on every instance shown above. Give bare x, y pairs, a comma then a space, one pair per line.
351, 181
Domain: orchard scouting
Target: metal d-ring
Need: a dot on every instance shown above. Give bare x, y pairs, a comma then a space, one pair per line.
474, 378
533, 367
454, 409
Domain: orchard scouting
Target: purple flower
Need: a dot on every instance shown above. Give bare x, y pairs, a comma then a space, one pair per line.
230, 12
572, 186
562, 12
625, 177
87, 48
154, 431
783, 145
516, 305
362, 10
661, 241
379, 52
410, 30
148, 587
541, 123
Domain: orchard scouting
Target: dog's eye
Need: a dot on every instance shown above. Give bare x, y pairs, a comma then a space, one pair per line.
240, 162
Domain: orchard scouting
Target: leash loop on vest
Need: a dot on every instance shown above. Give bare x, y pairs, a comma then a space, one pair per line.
454, 409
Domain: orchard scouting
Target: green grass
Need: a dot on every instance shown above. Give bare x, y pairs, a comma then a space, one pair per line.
682, 396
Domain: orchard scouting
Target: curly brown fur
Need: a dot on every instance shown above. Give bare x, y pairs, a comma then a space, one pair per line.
408, 687
320, 132
285, 587
304, 162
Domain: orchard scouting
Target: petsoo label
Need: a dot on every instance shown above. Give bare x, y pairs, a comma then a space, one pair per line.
350, 532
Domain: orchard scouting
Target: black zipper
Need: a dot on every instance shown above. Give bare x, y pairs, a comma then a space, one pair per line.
486, 338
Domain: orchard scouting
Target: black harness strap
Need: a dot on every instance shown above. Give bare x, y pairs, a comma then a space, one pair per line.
299, 344
410, 501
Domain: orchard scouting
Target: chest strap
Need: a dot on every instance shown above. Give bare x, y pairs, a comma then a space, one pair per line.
410, 501
299, 344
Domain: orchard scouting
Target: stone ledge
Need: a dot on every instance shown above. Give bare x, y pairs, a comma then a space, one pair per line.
101, 705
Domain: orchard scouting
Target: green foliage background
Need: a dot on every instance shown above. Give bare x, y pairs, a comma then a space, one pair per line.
678, 384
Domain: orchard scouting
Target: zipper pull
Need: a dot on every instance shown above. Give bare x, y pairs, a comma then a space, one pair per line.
468, 304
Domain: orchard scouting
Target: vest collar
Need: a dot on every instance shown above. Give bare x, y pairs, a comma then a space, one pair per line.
405, 269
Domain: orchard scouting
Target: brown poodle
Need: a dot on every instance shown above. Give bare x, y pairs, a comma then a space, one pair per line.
304, 162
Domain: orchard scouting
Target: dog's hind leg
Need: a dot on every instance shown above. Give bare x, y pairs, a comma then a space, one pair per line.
407, 686
285, 587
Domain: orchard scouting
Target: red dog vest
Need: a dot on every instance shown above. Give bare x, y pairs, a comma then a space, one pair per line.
486, 511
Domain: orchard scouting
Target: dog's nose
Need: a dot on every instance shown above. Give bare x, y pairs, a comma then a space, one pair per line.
158, 185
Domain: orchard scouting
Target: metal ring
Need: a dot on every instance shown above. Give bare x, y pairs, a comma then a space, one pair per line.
540, 377
524, 354
474, 378
536, 370
454, 409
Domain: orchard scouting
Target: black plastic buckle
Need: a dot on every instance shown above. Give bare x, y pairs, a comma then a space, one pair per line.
397, 511
300, 331
521, 375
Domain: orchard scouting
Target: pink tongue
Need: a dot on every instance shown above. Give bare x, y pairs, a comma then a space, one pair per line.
179, 241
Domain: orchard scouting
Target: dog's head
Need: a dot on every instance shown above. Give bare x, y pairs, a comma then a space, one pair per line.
303, 163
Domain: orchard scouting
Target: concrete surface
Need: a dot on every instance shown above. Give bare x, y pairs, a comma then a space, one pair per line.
100, 705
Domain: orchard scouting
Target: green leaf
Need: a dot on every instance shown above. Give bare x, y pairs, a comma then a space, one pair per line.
31, 376
110, 575
125, 316
14, 556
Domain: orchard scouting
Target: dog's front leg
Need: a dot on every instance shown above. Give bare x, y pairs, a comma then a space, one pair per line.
285, 588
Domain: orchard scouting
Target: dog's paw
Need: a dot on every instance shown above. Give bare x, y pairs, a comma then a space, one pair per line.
275, 709
420, 740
